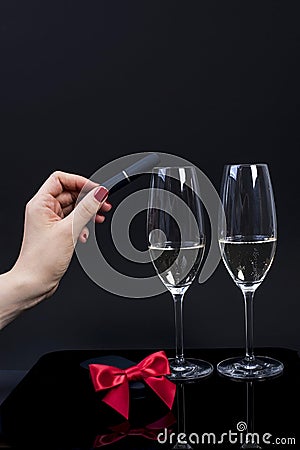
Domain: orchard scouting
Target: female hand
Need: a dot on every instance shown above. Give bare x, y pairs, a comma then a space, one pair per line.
52, 227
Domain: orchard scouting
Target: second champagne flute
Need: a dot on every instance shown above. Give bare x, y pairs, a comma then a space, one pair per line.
248, 241
176, 244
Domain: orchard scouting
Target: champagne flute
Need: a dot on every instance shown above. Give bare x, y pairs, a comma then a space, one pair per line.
176, 244
248, 242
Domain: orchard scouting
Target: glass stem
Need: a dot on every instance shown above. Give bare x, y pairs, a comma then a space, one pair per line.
178, 302
180, 408
250, 407
248, 298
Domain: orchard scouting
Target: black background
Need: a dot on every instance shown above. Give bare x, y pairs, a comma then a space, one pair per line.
83, 83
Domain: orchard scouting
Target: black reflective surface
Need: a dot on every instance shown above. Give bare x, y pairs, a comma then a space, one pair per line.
56, 407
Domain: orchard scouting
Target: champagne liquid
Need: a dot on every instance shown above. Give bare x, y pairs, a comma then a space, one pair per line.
248, 261
177, 267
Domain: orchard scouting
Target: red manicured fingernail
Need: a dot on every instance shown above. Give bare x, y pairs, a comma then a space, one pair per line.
100, 194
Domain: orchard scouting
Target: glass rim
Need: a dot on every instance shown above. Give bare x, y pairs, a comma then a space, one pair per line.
173, 167
247, 165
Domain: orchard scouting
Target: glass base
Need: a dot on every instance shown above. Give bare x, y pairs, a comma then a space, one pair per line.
182, 446
189, 369
249, 445
259, 368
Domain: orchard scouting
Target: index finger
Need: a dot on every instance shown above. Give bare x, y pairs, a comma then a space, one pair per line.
62, 181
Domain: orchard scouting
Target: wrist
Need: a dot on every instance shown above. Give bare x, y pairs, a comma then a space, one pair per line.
27, 289
17, 295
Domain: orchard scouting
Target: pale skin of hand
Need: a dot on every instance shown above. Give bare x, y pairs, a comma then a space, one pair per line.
52, 227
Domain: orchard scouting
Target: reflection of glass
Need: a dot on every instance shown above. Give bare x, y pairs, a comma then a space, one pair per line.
248, 242
181, 428
252, 441
176, 244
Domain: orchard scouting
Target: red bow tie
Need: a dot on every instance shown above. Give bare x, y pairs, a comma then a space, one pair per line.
151, 370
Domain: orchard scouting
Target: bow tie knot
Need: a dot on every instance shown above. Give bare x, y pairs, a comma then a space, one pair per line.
134, 373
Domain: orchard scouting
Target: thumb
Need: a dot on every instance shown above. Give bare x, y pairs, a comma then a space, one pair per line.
86, 209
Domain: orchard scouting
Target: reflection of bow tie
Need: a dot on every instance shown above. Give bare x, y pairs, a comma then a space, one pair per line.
122, 430
151, 370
